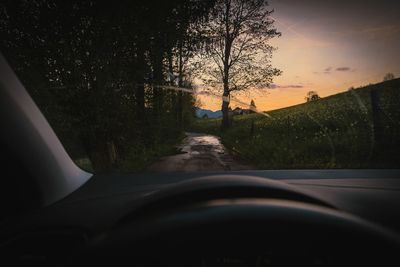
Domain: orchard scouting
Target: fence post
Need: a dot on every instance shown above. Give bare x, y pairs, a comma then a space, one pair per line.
376, 119
252, 128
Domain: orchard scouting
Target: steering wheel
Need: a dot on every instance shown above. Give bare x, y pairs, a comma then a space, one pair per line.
241, 221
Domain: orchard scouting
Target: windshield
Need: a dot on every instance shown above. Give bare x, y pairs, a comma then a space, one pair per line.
214, 85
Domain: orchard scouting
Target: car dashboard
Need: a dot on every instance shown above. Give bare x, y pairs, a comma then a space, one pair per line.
104, 223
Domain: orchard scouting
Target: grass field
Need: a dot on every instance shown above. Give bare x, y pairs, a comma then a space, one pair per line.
347, 130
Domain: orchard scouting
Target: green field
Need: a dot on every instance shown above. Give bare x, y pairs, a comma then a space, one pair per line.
346, 130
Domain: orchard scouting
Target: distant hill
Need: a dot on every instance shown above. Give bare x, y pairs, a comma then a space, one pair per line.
211, 114
359, 128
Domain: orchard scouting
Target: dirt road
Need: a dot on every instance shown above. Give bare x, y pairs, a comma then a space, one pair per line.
200, 152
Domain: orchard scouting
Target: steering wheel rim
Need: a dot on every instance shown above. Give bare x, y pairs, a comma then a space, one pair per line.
216, 222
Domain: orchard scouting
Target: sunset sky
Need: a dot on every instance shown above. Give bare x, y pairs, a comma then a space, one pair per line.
327, 46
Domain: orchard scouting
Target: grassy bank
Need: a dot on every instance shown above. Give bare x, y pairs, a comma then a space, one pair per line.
139, 157
347, 130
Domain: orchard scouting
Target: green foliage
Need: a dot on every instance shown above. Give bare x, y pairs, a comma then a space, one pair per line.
97, 69
334, 132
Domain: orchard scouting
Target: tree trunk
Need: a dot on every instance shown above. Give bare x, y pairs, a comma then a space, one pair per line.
96, 149
226, 95
225, 112
95, 140
180, 84
139, 79
99, 157
157, 82
227, 53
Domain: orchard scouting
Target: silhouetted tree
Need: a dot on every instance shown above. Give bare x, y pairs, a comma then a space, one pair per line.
312, 96
237, 54
389, 76
253, 106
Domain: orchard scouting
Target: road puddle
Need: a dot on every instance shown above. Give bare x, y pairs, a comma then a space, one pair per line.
200, 152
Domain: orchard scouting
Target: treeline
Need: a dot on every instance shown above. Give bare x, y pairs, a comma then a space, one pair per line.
97, 70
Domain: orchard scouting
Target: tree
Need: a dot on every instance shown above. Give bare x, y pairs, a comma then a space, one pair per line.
312, 96
253, 106
97, 69
184, 42
237, 54
389, 76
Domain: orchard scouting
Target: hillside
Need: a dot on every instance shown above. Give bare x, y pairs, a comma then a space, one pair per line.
340, 131
209, 113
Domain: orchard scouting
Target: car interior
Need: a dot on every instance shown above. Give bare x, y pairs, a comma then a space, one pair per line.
55, 213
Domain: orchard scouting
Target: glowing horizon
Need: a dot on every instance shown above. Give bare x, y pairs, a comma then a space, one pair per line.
326, 48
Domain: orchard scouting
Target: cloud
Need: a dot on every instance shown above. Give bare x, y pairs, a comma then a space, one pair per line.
385, 32
329, 70
380, 33
322, 72
291, 86
343, 69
